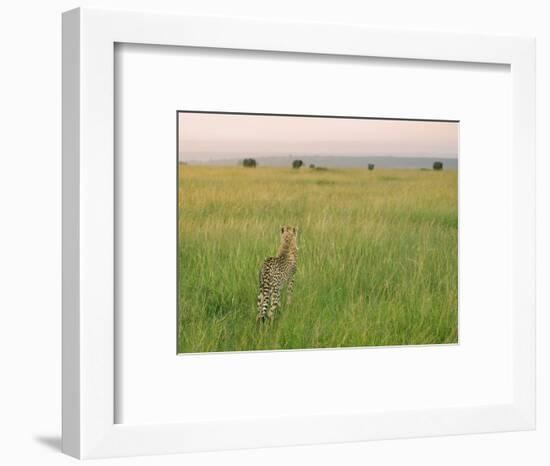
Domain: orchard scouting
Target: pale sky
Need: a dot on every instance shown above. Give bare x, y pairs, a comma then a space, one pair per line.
203, 136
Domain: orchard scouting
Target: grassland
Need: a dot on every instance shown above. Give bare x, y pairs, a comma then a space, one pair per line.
377, 257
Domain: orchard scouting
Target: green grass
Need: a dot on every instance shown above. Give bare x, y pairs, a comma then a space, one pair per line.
377, 260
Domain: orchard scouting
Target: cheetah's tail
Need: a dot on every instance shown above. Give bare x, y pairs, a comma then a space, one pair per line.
263, 304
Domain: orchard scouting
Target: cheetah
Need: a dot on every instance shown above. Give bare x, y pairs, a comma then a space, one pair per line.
276, 272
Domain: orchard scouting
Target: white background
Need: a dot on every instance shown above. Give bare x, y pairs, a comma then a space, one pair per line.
30, 194
152, 83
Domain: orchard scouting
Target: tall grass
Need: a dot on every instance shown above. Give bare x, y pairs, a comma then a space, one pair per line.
377, 260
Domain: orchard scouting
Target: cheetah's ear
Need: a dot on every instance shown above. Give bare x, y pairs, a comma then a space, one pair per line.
295, 230
282, 229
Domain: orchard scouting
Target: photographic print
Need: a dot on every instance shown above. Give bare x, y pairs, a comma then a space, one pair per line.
300, 232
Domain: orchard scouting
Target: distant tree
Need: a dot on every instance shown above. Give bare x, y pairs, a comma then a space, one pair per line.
371, 166
438, 166
251, 163
311, 165
297, 163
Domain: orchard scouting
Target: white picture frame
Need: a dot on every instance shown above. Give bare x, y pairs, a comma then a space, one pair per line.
89, 38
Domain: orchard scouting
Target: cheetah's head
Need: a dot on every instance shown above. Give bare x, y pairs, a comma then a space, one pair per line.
289, 233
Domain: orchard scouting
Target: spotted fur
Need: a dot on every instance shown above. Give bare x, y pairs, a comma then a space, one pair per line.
276, 272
